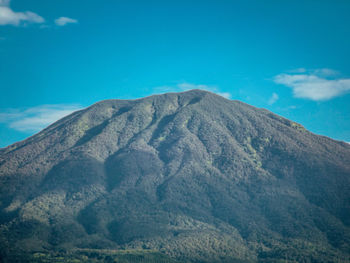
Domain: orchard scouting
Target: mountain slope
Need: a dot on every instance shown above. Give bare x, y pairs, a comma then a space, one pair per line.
191, 174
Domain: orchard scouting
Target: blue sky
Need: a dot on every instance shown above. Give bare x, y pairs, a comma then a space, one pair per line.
291, 57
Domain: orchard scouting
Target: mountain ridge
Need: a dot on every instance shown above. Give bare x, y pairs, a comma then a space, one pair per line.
190, 174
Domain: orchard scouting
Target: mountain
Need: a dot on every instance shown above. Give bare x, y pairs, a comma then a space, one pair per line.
191, 175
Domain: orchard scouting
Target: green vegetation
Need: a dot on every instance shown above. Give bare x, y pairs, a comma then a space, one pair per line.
95, 256
298, 127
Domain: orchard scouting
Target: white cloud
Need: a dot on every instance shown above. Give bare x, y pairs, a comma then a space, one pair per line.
189, 86
273, 99
10, 17
62, 21
316, 85
36, 118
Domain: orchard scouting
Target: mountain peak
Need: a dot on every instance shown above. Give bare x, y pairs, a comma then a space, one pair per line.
192, 91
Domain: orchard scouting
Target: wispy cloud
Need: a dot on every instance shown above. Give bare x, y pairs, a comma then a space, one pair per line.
297, 70
325, 72
4, 2
62, 21
321, 72
10, 17
189, 86
36, 118
274, 97
317, 85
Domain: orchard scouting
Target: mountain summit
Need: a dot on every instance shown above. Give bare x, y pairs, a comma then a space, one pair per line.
191, 175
